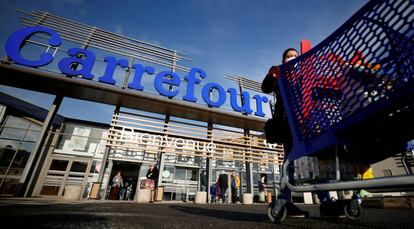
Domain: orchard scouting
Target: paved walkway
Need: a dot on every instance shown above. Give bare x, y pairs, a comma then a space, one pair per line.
43, 213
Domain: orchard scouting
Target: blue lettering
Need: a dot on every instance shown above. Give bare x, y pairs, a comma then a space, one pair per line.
85, 58
191, 81
206, 94
169, 78
139, 71
16, 42
259, 99
66, 64
245, 101
110, 69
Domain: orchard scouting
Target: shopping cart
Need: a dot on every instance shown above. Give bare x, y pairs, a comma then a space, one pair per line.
355, 90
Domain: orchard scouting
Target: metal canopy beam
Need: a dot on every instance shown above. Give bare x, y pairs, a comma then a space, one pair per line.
53, 83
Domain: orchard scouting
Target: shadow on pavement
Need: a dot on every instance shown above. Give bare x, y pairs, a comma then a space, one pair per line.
222, 214
55, 221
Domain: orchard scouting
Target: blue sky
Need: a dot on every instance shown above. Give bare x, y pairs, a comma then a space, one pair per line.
237, 37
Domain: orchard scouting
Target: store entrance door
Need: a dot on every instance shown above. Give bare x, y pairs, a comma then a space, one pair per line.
228, 175
129, 173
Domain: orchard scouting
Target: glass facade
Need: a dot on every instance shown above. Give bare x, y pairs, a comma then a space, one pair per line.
76, 159
17, 138
185, 145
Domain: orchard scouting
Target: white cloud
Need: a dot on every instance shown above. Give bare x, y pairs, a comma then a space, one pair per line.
119, 29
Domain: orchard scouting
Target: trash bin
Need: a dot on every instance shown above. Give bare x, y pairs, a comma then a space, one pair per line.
269, 197
247, 198
159, 193
200, 197
143, 196
95, 190
145, 191
72, 192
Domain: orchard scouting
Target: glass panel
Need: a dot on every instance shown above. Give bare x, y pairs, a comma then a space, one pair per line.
12, 133
54, 177
93, 166
6, 155
270, 179
19, 162
83, 139
50, 190
31, 136
192, 174
214, 177
255, 179
170, 174
17, 122
180, 174
8, 143
79, 166
59, 165
9, 186
35, 127
77, 173
27, 146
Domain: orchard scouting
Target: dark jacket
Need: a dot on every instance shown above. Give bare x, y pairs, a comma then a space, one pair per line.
223, 181
277, 129
152, 175
269, 85
203, 179
261, 186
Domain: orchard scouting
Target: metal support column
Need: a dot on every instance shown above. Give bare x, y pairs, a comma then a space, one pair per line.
249, 177
209, 172
106, 154
249, 172
161, 160
38, 155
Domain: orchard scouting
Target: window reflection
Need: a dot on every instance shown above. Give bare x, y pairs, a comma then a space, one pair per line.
59, 165
31, 135
6, 155
79, 166
17, 139
17, 122
180, 174
12, 133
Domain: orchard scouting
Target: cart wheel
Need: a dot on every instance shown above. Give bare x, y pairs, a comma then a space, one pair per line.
276, 217
353, 211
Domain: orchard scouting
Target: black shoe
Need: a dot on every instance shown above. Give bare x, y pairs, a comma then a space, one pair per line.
294, 211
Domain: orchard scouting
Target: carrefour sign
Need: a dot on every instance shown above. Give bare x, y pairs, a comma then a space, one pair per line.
163, 81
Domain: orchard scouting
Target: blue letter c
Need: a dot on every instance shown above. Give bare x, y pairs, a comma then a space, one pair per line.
17, 40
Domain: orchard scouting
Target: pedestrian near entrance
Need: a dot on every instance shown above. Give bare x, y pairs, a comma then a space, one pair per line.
223, 183
152, 175
128, 192
235, 184
123, 191
117, 184
203, 181
262, 189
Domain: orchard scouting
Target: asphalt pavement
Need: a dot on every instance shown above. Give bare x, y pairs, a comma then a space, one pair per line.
41, 213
